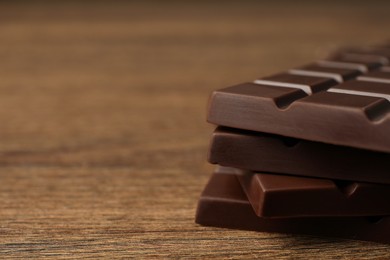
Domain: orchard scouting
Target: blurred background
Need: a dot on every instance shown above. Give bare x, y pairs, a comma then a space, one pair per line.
75, 74
103, 114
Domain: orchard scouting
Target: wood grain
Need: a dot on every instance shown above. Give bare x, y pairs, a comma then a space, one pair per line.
103, 136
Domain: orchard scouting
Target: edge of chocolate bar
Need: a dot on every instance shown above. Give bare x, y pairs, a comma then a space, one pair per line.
260, 152
355, 120
224, 204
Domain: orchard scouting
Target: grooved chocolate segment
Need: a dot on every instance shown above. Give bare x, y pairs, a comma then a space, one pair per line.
253, 93
316, 70
336, 118
370, 61
367, 54
350, 63
224, 204
271, 153
273, 195
366, 57
363, 88
309, 84
376, 76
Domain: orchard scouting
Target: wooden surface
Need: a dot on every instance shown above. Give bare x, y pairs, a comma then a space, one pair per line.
103, 134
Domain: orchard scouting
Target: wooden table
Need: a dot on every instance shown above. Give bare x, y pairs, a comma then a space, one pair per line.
103, 134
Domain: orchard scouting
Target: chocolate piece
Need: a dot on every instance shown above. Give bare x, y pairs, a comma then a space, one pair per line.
366, 54
359, 118
224, 204
376, 76
309, 84
271, 153
351, 62
317, 70
361, 87
302, 196
363, 57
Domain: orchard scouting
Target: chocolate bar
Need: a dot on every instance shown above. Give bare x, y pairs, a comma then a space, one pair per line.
376, 76
362, 64
338, 74
303, 197
262, 152
379, 54
224, 204
314, 106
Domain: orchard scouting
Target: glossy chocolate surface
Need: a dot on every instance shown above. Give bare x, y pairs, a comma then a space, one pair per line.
342, 100
348, 114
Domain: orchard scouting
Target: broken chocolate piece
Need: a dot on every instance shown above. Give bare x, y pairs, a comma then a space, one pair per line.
224, 204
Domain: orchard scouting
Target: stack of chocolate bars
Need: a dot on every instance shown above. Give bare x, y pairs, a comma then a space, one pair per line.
306, 151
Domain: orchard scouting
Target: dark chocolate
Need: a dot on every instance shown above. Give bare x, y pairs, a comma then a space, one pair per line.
363, 64
306, 103
338, 74
365, 54
348, 114
261, 152
310, 84
376, 76
274, 195
224, 204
